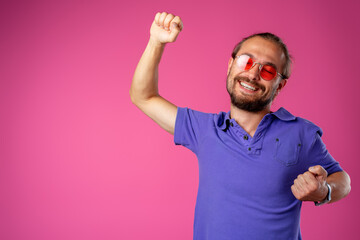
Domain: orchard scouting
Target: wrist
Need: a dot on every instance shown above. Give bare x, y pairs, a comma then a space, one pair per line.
327, 198
155, 43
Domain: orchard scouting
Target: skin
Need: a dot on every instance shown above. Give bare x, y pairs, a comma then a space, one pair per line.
309, 186
263, 51
144, 88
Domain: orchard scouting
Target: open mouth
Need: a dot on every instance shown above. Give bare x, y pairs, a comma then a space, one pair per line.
248, 87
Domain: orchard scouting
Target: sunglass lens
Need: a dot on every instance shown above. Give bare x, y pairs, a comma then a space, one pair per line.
268, 72
249, 64
244, 62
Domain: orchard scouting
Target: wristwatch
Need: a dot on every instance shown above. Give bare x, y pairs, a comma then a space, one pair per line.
327, 199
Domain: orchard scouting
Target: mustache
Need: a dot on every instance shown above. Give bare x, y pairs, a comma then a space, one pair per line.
245, 79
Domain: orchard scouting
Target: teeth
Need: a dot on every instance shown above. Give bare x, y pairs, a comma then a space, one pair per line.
247, 86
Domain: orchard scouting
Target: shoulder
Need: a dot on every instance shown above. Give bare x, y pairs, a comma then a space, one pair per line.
309, 126
292, 123
201, 116
192, 126
201, 119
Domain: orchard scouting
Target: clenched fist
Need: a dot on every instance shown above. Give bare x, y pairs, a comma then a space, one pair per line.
165, 28
311, 185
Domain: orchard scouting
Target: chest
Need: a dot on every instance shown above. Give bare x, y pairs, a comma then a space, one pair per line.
267, 165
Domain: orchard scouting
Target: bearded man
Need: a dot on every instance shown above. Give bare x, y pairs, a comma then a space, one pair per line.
256, 167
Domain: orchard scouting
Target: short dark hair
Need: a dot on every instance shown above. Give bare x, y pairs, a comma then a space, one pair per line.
275, 39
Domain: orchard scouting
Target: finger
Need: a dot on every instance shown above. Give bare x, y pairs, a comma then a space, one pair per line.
177, 20
157, 18
300, 180
167, 21
312, 183
295, 192
174, 31
299, 190
306, 183
309, 177
162, 18
319, 171
299, 184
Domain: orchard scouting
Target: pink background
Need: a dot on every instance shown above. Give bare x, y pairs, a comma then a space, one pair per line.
79, 161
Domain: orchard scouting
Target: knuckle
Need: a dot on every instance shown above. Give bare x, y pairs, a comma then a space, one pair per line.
294, 190
167, 20
157, 16
163, 16
301, 178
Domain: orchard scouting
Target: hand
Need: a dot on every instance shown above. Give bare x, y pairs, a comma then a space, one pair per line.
165, 28
311, 185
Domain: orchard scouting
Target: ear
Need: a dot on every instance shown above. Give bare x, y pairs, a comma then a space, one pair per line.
281, 86
229, 65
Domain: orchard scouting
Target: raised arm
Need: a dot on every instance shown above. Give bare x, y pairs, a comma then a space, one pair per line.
144, 88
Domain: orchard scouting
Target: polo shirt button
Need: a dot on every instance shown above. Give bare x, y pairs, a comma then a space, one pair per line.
231, 124
246, 137
249, 149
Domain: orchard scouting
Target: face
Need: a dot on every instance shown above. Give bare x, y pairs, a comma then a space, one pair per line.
248, 91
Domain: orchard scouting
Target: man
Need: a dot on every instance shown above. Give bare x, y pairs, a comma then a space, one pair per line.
255, 167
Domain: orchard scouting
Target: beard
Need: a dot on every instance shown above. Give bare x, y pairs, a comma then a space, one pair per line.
248, 104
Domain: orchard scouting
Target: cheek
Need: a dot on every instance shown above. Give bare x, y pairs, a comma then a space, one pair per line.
231, 71
229, 82
273, 88
230, 77
269, 88
230, 66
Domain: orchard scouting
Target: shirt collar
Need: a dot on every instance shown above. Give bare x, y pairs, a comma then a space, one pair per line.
224, 120
282, 114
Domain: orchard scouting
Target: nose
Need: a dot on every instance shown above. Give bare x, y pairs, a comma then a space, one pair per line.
254, 72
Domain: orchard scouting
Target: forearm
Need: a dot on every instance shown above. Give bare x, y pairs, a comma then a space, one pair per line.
144, 88
340, 185
145, 81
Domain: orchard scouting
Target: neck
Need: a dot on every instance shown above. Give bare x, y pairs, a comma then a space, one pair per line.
249, 121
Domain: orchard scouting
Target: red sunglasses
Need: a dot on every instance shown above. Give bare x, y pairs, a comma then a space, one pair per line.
267, 72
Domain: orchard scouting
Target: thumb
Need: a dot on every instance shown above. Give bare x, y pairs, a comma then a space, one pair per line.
319, 172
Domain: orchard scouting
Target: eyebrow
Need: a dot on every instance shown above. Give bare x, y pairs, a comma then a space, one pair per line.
264, 63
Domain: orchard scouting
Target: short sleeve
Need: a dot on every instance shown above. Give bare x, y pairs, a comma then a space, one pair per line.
319, 155
188, 126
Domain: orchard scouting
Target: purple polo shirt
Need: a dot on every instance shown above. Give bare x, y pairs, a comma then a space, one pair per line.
245, 182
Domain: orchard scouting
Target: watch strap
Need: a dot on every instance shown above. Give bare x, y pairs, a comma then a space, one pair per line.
327, 199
